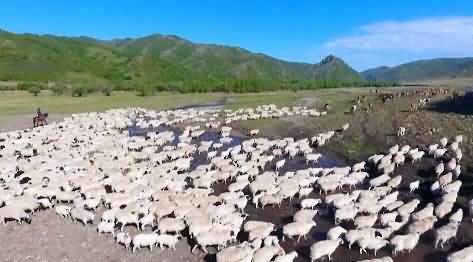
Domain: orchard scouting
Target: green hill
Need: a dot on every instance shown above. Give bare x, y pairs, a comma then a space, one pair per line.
155, 58
441, 68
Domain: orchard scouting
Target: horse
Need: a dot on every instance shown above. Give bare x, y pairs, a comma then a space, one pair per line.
40, 120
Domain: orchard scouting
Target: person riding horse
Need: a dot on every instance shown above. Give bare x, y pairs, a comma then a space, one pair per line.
40, 118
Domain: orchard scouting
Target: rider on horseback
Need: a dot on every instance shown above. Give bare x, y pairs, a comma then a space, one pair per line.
38, 112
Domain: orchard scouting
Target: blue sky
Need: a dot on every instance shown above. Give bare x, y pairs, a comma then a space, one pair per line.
365, 33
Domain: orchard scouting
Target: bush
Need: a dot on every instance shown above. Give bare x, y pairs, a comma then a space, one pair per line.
35, 90
144, 90
79, 91
107, 90
58, 89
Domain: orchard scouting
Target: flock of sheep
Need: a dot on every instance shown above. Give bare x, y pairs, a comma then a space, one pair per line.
90, 170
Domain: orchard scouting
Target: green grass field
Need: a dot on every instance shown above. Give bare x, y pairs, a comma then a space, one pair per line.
14, 103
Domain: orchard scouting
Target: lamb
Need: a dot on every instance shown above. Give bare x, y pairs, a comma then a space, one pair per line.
413, 186
82, 215
15, 213
123, 238
324, 248
404, 242
106, 227
444, 233
310, 203
63, 211
289, 257
167, 240
144, 240
299, 229
335, 232
146, 220
280, 164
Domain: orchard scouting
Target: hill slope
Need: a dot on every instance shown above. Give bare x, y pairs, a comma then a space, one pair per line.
153, 58
440, 68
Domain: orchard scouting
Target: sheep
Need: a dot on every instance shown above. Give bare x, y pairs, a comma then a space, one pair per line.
378, 181
406, 209
240, 253
456, 217
354, 235
443, 142
365, 221
299, 229
345, 127
413, 186
123, 238
82, 215
106, 227
126, 218
15, 213
335, 232
63, 211
444, 233
463, 255
144, 240
146, 220
266, 253
344, 214
401, 131
305, 215
387, 218
271, 241
371, 243
382, 259
289, 257
439, 169
404, 242
210, 238
426, 212
310, 203
458, 139
167, 240
254, 132
280, 164
422, 226
324, 248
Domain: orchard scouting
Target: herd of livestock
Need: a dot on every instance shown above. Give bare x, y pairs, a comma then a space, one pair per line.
89, 169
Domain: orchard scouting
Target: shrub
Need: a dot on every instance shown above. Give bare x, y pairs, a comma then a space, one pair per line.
58, 89
79, 91
35, 90
107, 90
144, 90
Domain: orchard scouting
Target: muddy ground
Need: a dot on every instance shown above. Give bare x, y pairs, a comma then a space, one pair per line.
50, 238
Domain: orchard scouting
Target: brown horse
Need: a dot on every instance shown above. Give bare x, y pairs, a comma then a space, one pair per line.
40, 120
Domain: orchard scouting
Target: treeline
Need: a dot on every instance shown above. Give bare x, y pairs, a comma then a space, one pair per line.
195, 86
253, 86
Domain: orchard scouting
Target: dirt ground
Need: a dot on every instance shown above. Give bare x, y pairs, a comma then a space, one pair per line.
49, 238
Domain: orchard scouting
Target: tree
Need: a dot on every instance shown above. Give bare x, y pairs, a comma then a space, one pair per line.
35, 90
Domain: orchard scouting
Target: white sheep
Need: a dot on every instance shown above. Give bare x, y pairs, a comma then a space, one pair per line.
401, 131
456, 217
299, 229
266, 253
167, 240
106, 227
310, 203
123, 238
413, 186
335, 232
404, 242
324, 248
82, 215
381, 259
289, 257
13, 212
146, 220
371, 243
280, 164
63, 211
444, 233
144, 240
305, 215
463, 255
